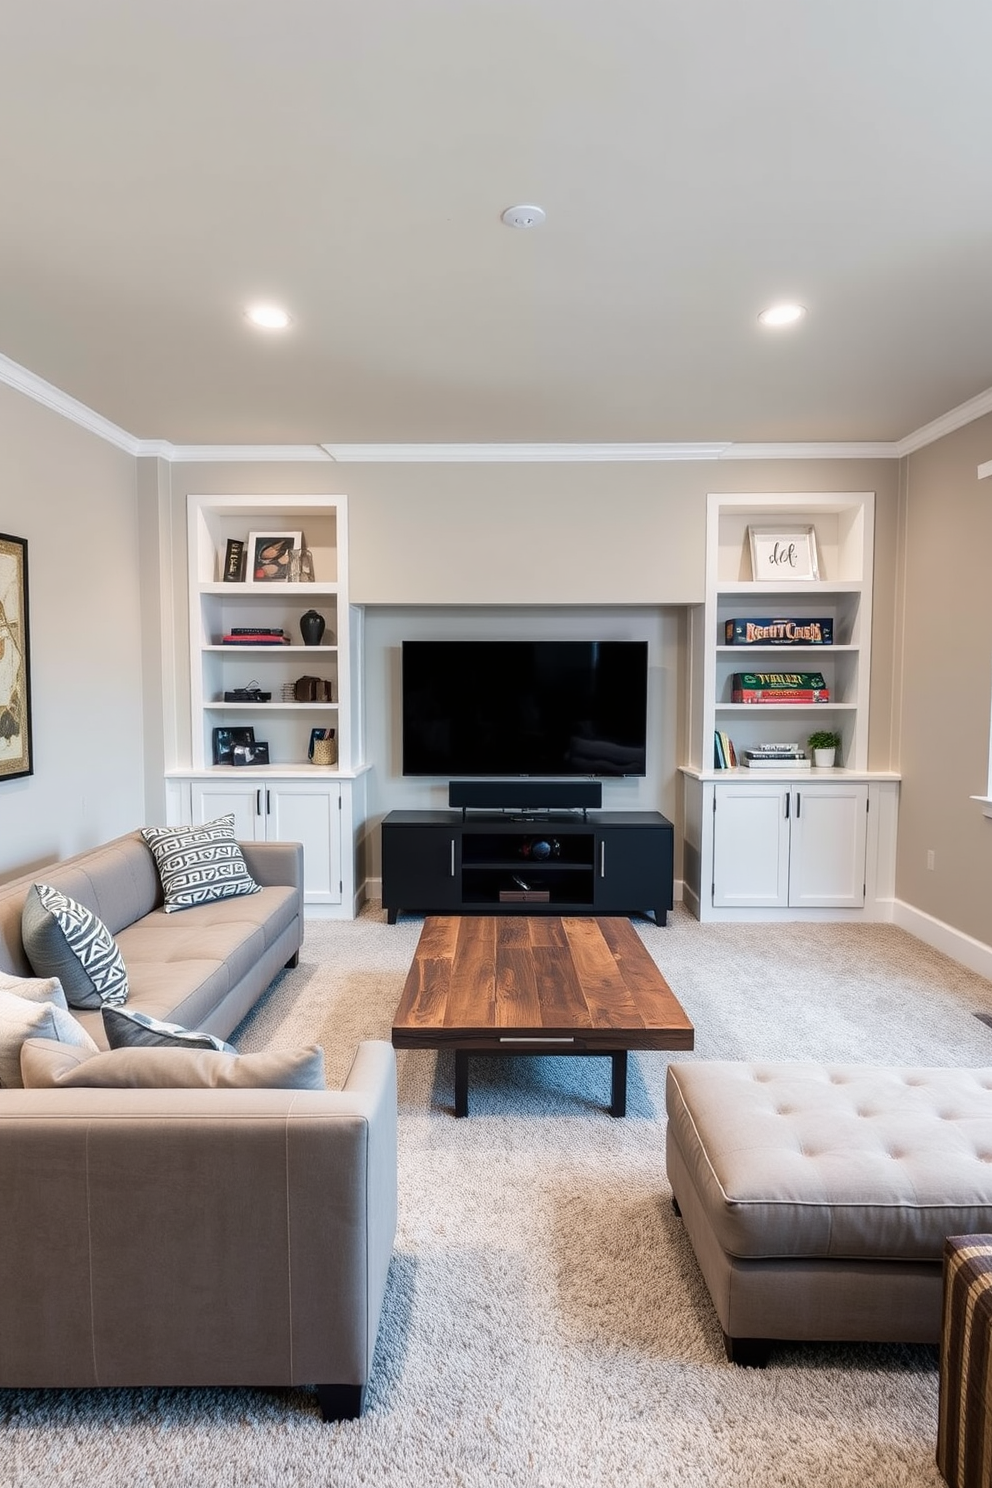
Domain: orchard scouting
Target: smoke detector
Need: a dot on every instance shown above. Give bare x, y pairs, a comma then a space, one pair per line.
523, 216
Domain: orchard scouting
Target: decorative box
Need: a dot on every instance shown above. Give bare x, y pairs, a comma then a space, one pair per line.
779, 687
779, 632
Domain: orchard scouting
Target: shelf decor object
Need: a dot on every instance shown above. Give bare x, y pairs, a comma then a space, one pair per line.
783, 554
16, 749
271, 556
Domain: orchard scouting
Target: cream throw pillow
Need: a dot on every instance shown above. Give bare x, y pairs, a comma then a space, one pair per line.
45, 1065
46, 1022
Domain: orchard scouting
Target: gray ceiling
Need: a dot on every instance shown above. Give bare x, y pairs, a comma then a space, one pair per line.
162, 162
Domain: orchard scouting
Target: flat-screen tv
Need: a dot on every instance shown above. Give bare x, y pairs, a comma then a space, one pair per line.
525, 707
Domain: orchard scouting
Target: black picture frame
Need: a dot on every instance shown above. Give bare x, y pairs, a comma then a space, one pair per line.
225, 740
256, 753
16, 738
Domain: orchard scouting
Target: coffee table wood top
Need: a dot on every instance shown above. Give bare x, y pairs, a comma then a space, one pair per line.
479, 981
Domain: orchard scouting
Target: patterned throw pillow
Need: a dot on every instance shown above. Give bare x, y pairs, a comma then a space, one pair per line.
197, 865
66, 940
126, 1028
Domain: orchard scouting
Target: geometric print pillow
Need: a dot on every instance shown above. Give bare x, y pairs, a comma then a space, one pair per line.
197, 865
126, 1028
66, 940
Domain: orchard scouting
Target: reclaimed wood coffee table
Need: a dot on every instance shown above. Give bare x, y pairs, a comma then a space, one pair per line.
542, 985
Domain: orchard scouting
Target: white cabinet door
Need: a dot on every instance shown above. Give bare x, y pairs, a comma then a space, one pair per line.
829, 832
221, 797
751, 845
298, 811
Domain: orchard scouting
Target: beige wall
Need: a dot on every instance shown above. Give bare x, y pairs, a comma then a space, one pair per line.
577, 538
72, 496
945, 639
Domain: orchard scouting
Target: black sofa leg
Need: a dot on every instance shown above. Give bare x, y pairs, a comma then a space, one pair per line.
294, 960
341, 1402
750, 1353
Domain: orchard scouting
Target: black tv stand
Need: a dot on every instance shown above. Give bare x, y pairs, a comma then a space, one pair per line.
445, 862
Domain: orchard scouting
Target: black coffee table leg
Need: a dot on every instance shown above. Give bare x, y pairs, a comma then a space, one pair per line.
461, 1082
618, 1102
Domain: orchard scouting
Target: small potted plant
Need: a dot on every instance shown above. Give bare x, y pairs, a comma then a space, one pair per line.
824, 743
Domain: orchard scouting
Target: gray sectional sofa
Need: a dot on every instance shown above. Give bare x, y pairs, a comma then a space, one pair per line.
204, 1236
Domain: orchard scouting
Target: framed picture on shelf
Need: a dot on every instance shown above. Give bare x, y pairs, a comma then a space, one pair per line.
251, 754
783, 554
270, 555
16, 747
226, 739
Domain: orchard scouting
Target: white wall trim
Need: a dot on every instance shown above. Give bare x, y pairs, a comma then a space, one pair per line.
954, 943
471, 454
32, 386
197, 454
955, 418
43, 392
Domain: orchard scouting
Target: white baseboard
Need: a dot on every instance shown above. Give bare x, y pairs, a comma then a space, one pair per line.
954, 943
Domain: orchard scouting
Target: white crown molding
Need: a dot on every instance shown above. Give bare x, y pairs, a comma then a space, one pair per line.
196, 454
471, 454
956, 418
854, 450
36, 388
43, 392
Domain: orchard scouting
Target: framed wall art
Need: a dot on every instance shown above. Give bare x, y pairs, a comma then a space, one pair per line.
783, 554
270, 555
16, 748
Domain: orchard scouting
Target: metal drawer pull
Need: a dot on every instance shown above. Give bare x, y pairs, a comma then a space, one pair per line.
521, 1039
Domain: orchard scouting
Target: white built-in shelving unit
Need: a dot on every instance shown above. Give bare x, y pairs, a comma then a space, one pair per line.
786, 843
289, 798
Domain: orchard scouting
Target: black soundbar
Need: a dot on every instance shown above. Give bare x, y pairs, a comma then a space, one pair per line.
510, 795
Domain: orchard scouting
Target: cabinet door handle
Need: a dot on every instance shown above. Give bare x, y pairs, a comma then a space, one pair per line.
788, 799
799, 805
258, 803
452, 857
268, 803
602, 860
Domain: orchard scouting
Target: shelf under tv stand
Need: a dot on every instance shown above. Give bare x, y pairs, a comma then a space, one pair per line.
599, 863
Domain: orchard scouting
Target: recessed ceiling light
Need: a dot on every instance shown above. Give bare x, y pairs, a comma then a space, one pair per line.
269, 317
782, 315
523, 216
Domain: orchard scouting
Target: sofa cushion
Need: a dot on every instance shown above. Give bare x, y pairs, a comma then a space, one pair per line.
127, 1028
846, 1162
197, 865
63, 938
22, 1019
46, 1065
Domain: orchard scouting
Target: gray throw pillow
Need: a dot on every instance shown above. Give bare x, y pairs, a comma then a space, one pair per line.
126, 1028
197, 865
22, 1019
46, 1066
66, 940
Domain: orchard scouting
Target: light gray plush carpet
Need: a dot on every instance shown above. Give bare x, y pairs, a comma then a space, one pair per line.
545, 1323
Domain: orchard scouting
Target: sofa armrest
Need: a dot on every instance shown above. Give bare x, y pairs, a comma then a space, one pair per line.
274, 863
184, 1237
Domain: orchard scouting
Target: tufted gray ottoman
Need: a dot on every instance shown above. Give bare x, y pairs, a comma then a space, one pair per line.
818, 1197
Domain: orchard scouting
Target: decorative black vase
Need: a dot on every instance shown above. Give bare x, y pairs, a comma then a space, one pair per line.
311, 628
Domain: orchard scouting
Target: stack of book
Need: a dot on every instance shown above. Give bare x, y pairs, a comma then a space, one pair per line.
724, 753
779, 687
776, 757
255, 635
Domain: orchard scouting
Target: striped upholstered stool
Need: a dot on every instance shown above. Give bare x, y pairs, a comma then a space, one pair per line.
964, 1439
